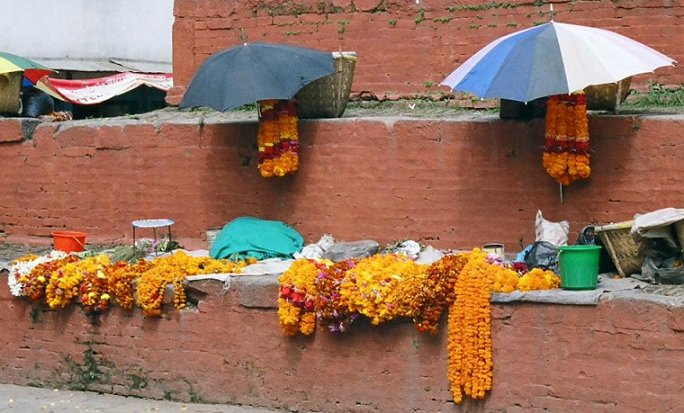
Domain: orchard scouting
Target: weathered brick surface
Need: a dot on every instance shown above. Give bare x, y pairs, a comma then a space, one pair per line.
11, 131
404, 48
622, 355
451, 183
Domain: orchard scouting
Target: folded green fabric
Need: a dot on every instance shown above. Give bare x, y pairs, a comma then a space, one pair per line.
247, 237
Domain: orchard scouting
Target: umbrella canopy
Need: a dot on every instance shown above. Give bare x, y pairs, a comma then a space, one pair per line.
32, 71
255, 71
550, 59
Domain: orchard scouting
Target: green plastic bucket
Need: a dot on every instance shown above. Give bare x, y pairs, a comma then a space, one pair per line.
578, 266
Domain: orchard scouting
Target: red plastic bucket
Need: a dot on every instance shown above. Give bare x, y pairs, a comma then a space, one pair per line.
69, 241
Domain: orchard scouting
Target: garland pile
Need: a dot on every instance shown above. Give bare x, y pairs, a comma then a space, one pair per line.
58, 280
385, 287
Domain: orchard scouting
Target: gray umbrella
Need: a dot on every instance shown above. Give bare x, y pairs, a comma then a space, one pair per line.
255, 71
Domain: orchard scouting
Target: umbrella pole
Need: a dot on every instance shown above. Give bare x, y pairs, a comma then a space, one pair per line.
561, 192
617, 97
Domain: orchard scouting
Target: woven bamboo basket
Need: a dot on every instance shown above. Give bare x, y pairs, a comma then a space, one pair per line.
10, 88
328, 96
605, 97
626, 253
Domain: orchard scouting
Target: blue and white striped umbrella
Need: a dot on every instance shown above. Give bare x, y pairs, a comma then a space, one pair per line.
550, 59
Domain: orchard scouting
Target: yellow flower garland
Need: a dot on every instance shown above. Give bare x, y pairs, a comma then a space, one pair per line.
566, 151
382, 287
64, 283
173, 269
470, 344
94, 292
120, 279
36, 281
506, 280
538, 279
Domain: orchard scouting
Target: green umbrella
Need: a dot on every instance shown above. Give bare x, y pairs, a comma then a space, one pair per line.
32, 71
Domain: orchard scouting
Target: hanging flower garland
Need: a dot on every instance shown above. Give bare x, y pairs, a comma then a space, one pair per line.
566, 150
470, 343
278, 138
437, 293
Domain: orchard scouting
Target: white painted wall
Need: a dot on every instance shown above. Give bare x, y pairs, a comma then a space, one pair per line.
87, 29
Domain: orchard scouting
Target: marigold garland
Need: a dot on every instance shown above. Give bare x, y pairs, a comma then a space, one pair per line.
120, 280
58, 278
64, 283
437, 292
506, 280
538, 279
173, 269
20, 274
382, 287
278, 138
470, 345
94, 292
298, 292
36, 282
566, 150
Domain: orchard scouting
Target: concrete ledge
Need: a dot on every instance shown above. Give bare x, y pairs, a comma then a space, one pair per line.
229, 349
261, 291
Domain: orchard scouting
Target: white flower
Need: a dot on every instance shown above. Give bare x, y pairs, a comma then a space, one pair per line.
24, 268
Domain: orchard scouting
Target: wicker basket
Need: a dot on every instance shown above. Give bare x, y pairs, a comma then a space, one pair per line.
604, 97
625, 252
327, 97
10, 88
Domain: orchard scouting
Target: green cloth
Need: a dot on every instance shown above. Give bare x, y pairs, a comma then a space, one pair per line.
256, 238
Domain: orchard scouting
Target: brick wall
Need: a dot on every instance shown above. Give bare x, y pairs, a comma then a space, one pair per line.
622, 355
405, 49
451, 183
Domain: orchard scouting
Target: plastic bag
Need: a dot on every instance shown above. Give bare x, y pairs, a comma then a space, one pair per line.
587, 236
36, 103
555, 233
662, 263
542, 255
